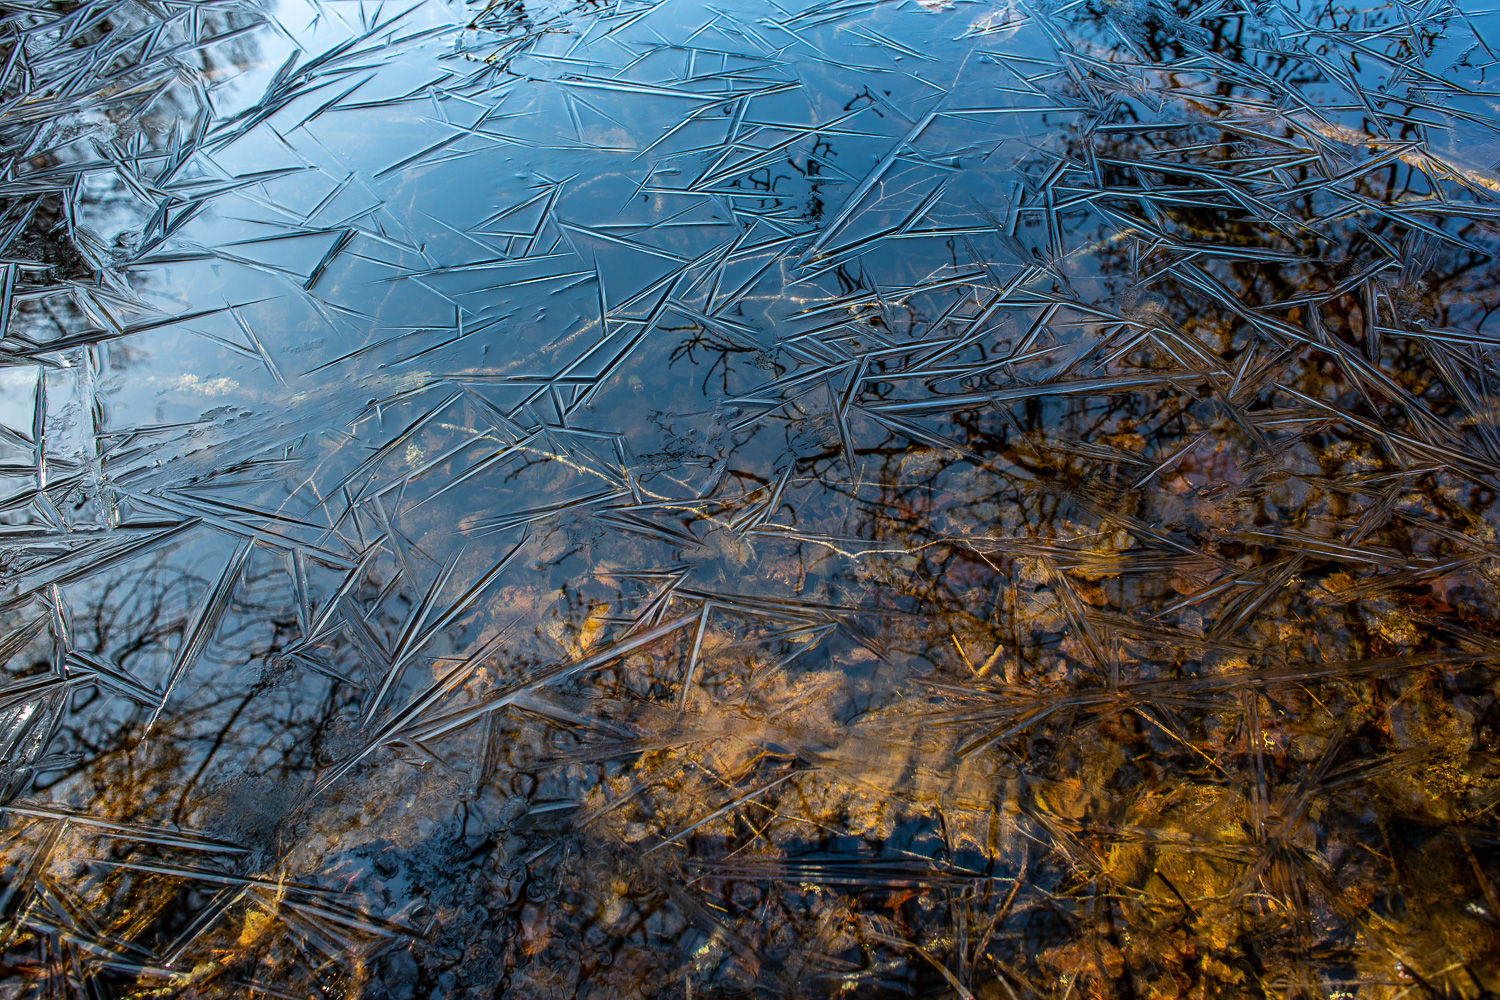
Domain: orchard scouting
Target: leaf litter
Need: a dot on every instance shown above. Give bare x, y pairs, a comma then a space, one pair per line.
843, 498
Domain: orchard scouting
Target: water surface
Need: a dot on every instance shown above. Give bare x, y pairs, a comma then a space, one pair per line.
671, 499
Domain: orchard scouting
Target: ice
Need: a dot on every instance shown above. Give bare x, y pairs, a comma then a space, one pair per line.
793, 499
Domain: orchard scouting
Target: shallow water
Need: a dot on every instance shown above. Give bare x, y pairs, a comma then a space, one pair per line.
682, 500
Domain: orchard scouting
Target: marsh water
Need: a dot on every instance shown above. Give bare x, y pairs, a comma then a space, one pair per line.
779, 498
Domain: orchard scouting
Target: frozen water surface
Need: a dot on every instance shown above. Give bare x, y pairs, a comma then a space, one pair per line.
767, 498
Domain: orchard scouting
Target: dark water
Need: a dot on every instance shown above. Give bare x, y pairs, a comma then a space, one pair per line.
849, 499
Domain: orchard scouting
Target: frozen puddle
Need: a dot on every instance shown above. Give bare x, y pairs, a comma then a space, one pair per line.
686, 500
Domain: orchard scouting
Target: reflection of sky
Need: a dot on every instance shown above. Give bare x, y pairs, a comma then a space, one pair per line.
17, 396
573, 151
410, 215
